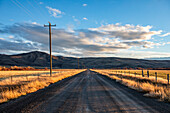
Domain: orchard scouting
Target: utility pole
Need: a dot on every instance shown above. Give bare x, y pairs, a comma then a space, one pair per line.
50, 46
78, 63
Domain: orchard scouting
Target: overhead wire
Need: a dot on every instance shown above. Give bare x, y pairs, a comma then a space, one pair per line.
22, 7
42, 14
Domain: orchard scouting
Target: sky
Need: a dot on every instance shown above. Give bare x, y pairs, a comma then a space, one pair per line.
87, 28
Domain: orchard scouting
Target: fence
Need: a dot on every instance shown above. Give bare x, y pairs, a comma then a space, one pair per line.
142, 74
27, 77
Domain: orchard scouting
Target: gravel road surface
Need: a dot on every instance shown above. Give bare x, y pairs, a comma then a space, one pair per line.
87, 92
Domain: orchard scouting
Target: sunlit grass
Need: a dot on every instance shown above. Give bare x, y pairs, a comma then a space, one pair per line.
23, 85
151, 89
5, 74
160, 73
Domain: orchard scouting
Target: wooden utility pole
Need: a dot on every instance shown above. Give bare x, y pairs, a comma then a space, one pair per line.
50, 45
78, 63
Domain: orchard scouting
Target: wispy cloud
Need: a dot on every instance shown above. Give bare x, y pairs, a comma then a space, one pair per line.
41, 3
165, 35
75, 19
11, 37
84, 5
2, 39
55, 12
85, 18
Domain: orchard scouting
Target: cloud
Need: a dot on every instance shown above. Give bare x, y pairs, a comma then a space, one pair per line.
104, 40
41, 3
75, 19
168, 43
16, 46
141, 54
84, 5
70, 28
165, 35
2, 39
127, 32
55, 12
34, 22
11, 37
85, 18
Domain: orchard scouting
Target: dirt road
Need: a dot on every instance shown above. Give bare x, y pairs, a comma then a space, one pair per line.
86, 92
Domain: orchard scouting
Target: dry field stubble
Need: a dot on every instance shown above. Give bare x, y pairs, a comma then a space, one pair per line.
149, 88
24, 85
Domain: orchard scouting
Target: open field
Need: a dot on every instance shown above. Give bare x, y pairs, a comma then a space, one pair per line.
5, 74
26, 84
159, 89
87, 92
160, 73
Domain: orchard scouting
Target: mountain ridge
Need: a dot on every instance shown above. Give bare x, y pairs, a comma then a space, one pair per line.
42, 59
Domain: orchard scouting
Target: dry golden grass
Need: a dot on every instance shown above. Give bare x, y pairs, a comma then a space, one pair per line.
22, 86
160, 79
4, 74
150, 89
160, 73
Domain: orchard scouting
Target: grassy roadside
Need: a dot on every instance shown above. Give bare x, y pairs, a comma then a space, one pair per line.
150, 89
160, 73
10, 91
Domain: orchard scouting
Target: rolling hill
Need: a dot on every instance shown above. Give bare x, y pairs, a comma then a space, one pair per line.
42, 59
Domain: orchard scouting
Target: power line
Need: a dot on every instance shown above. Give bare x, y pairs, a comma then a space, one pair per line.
42, 14
24, 9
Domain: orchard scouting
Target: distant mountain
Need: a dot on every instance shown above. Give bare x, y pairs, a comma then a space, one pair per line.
161, 58
37, 58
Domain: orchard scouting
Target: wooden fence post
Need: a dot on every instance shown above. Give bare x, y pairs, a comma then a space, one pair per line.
142, 73
168, 78
156, 76
148, 73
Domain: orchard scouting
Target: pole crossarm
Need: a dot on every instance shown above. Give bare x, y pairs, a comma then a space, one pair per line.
50, 45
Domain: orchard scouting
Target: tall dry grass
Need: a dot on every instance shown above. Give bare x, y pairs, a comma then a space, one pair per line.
22, 86
138, 75
4, 74
151, 90
160, 73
